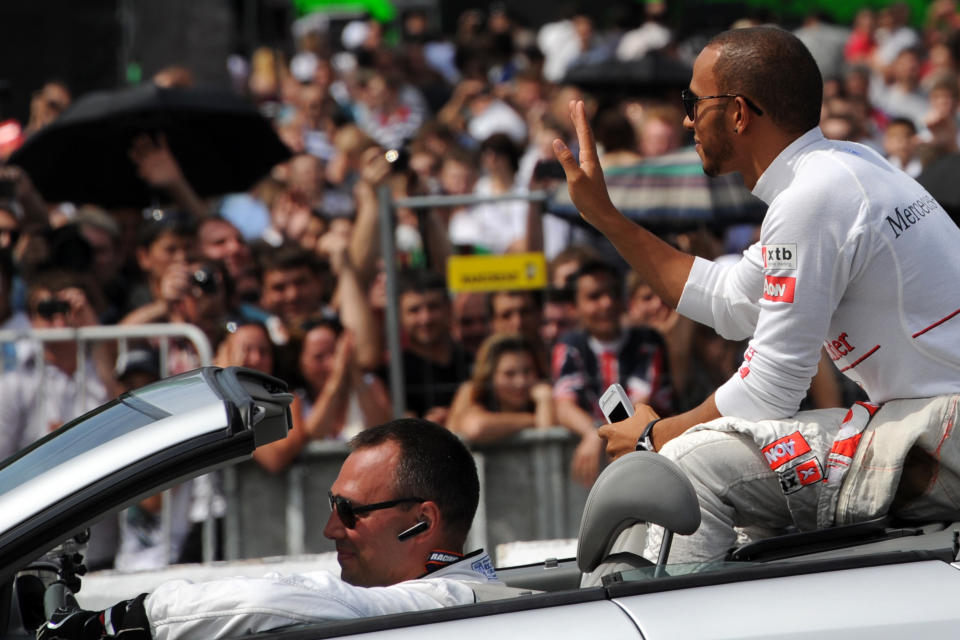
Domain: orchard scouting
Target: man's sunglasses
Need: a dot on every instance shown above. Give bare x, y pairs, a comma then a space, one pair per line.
690, 100
347, 511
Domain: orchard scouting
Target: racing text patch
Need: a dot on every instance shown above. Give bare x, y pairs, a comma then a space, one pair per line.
787, 448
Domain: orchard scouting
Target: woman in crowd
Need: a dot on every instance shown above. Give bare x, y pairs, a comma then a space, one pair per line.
337, 400
508, 392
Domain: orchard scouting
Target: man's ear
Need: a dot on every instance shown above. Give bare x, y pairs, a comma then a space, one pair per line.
429, 512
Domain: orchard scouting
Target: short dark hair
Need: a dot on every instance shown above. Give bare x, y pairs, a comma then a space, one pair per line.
160, 221
774, 69
594, 268
420, 281
535, 296
292, 257
434, 465
502, 145
903, 122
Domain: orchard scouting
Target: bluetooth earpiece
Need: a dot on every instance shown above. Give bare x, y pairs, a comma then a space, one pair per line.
415, 530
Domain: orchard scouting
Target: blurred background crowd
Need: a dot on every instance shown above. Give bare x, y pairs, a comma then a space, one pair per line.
285, 275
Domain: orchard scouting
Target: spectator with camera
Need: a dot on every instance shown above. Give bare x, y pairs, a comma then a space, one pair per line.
45, 391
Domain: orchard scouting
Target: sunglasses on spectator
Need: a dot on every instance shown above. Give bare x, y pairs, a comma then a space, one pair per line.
347, 511
690, 100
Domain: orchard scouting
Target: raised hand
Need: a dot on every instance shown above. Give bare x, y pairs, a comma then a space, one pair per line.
585, 182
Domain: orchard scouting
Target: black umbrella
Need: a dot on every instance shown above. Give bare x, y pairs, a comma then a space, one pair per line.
223, 144
653, 73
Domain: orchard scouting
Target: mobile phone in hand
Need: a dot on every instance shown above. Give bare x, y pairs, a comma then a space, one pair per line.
615, 404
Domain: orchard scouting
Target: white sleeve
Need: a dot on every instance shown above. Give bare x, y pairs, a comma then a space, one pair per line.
725, 296
806, 255
181, 610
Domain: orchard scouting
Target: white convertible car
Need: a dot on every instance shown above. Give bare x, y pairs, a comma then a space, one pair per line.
880, 579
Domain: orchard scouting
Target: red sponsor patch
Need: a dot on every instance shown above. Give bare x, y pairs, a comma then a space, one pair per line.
809, 472
744, 371
778, 289
785, 449
846, 447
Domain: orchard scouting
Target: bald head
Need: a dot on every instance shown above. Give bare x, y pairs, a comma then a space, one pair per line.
773, 69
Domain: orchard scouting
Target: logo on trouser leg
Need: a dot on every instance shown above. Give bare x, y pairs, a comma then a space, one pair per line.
799, 476
779, 452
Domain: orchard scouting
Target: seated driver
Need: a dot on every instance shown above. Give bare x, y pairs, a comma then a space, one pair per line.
401, 508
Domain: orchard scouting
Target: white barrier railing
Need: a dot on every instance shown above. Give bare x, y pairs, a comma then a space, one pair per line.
122, 334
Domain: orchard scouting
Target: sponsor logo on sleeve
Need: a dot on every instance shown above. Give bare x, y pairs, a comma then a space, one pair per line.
778, 289
779, 452
747, 357
779, 256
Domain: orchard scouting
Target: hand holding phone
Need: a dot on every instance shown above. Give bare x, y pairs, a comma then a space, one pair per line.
615, 404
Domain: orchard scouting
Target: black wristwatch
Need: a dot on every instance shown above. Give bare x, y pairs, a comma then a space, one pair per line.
644, 442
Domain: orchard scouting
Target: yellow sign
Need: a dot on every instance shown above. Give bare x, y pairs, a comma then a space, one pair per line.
496, 273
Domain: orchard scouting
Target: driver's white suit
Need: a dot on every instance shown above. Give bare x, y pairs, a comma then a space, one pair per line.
181, 610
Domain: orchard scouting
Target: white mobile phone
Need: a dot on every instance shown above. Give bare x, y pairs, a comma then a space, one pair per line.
615, 404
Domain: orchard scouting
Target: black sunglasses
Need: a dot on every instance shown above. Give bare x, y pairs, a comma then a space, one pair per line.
690, 100
347, 511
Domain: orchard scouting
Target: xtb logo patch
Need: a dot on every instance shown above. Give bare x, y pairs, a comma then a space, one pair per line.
779, 256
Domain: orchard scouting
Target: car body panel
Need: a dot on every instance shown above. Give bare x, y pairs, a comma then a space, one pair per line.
914, 599
872, 580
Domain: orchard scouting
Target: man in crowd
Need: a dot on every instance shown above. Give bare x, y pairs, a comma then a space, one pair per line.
601, 352
854, 256
434, 364
516, 311
294, 285
401, 508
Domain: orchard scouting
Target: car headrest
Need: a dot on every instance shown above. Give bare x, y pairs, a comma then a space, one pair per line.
641, 486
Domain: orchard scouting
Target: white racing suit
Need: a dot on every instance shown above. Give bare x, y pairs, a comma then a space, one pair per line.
181, 610
856, 258
815, 470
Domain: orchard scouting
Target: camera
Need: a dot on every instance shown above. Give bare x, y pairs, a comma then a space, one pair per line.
399, 159
52, 306
205, 279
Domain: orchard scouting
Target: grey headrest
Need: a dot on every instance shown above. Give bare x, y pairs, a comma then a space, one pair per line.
639, 487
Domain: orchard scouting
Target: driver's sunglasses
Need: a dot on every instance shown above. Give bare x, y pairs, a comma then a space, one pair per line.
347, 511
690, 100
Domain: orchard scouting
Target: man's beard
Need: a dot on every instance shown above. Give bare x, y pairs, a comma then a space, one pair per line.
718, 157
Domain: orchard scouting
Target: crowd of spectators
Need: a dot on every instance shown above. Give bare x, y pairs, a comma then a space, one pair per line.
288, 277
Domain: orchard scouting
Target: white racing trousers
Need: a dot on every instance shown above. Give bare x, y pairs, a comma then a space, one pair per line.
818, 469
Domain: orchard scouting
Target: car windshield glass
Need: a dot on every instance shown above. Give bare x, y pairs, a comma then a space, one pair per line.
179, 394
174, 396
75, 439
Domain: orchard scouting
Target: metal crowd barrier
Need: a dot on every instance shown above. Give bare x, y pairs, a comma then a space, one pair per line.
526, 493
123, 334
